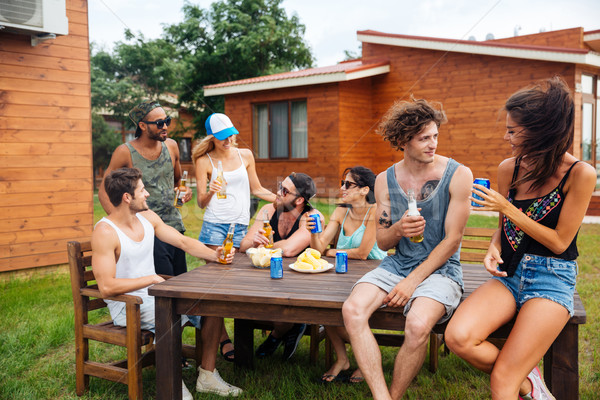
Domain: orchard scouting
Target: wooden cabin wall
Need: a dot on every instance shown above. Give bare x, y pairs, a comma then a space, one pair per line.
46, 192
472, 90
323, 141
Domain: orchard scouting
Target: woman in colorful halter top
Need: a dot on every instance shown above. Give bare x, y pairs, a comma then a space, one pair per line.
543, 194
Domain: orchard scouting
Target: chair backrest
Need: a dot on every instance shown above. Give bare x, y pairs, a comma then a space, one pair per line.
82, 278
475, 244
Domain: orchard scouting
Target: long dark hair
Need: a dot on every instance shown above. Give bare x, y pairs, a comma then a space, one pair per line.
363, 177
546, 112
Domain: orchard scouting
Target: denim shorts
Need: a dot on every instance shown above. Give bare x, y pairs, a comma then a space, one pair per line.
543, 277
214, 234
436, 286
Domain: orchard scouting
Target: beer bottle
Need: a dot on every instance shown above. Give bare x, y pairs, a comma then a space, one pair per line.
412, 212
180, 193
227, 244
221, 194
268, 230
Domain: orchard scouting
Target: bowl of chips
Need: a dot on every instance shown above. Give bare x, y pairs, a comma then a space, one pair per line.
261, 256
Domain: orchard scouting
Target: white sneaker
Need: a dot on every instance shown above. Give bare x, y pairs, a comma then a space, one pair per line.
211, 382
539, 390
185, 393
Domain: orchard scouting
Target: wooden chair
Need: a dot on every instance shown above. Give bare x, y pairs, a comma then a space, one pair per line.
86, 298
473, 249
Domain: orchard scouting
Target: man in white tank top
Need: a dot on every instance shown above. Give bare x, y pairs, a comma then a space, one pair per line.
123, 263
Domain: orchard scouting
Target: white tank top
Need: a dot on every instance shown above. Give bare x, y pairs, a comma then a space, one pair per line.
236, 207
136, 260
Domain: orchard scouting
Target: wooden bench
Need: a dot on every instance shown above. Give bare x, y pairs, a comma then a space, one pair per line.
561, 365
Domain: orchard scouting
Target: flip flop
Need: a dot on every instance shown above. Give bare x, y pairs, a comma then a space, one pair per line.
229, 356
342, 377
356, 379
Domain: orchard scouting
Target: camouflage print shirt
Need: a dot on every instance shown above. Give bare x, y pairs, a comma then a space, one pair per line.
158, 178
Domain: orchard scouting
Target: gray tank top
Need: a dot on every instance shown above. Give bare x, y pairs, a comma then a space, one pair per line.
410, 255
159, 180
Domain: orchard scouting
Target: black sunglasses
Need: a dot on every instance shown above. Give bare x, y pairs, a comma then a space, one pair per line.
284, 191
348, 184
159, 122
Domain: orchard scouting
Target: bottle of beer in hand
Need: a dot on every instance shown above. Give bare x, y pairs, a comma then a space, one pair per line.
221, 194
268, 230
413, 211
180, 193
227, 244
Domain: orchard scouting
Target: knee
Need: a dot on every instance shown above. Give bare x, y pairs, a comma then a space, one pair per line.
457, 339
416, 332
353, 314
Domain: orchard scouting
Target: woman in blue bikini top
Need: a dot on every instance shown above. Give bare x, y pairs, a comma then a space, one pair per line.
354, 218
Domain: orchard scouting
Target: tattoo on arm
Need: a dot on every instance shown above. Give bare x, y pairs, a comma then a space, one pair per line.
428, 188
385, 220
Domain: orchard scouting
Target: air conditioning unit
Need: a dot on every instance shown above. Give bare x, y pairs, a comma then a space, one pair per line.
35, 17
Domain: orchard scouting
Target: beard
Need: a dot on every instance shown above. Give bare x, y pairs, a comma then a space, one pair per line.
283, 207
136, 208
157, 136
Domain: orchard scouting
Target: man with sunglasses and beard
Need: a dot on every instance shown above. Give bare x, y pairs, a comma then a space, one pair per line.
157, 156
287, 216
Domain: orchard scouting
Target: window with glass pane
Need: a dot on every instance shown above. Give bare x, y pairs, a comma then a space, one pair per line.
587, 83
280, 130
185, 145
586, 132
261, 130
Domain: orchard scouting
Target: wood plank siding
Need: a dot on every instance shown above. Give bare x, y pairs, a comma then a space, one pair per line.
472, 89
322, 103
46, 192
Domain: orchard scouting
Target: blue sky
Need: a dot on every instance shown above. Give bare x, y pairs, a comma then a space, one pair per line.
331, 25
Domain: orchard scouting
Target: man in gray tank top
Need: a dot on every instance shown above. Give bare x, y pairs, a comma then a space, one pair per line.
424, 277
157, 157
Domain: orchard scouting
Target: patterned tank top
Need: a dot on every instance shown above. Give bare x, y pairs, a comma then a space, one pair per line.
544, 210
159, 180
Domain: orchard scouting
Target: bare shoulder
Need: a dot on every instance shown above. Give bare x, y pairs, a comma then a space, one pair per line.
103, 235
172, 145
121, 157
152, 217
338, 214
247, 156
463, 174
507, 166
583, 172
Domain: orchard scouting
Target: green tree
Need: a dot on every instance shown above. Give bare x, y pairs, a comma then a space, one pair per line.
235, 39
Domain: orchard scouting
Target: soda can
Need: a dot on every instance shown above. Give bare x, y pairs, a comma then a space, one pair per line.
318, 226
276, 267
482, 182
341, 262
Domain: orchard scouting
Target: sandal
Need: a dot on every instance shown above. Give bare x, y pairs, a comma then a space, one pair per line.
229, 356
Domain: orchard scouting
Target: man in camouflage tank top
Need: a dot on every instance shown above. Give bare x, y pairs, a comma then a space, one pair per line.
157, 156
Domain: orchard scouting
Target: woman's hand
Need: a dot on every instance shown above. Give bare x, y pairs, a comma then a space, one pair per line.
492, 200
491, 261
215, 186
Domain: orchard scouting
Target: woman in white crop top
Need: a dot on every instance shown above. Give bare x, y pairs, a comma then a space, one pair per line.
240, 174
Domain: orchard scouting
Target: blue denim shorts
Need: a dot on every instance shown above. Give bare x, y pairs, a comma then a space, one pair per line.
214, 234
543, 277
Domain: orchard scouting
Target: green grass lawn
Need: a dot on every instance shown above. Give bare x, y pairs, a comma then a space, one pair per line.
37, 345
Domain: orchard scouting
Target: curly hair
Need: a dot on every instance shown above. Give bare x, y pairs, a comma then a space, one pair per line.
546, 111
406, 119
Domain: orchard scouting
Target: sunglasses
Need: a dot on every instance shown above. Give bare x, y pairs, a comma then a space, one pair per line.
284, 191
159, 122
348, 184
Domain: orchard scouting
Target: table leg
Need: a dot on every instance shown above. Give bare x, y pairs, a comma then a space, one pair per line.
244, 343
561, 364
168, 350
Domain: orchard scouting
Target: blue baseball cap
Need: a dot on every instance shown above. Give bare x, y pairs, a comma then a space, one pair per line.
220, 126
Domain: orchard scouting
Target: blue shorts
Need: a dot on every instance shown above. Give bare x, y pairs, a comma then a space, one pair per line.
214, 234
543, 277
436, 286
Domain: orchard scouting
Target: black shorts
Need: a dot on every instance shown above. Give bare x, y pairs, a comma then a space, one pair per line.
168, 260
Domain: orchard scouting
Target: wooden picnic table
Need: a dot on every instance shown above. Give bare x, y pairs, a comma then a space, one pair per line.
248, 294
